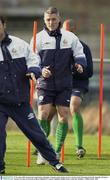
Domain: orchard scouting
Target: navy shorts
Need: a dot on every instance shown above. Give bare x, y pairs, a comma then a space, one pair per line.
61, 98
80, 92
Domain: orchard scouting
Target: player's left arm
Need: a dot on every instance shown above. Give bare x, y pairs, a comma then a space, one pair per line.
79, 56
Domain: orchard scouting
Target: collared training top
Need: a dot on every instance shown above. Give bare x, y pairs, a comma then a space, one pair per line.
58, 53
16, 59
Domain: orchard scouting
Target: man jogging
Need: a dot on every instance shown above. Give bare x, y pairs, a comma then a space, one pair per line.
56, 49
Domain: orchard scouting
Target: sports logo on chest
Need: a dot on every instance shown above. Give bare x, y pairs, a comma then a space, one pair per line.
65, 43
48, 45
14, 51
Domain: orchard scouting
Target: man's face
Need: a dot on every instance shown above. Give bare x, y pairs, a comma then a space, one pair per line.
51, 21
2, 31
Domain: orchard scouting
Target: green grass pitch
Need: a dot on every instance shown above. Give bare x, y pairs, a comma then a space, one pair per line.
16, 156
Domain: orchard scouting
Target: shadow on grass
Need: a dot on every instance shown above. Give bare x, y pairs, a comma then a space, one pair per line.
90, 156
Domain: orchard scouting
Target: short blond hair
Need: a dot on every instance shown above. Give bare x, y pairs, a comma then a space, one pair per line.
52, 10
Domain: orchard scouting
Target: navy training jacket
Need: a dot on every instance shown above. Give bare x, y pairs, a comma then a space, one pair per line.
57, 53
82, 80
15, 62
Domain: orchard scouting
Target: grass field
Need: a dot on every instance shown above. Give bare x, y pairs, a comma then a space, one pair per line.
88, 166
